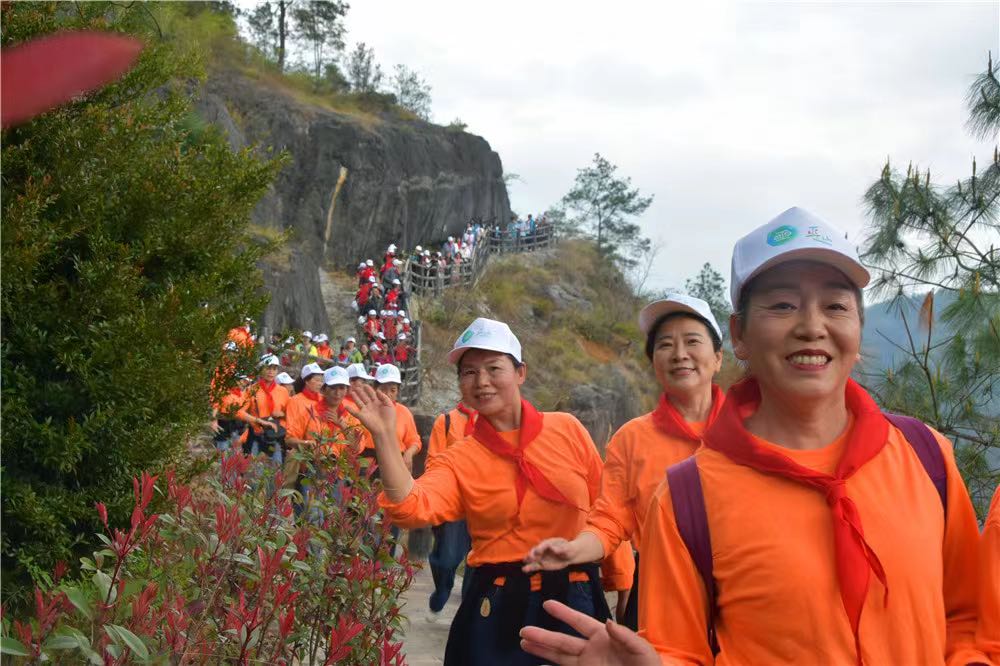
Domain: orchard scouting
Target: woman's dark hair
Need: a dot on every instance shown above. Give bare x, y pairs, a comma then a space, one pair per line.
651, 336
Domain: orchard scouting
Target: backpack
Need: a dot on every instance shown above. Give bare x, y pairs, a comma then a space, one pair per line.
692, 521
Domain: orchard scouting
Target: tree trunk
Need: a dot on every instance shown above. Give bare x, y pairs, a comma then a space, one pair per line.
282, 6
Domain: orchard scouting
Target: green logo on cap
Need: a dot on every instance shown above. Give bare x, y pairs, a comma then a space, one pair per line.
781, 235
467, 336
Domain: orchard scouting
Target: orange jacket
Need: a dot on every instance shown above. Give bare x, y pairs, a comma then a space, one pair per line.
777, 590
323, 350
989, 585
469, 481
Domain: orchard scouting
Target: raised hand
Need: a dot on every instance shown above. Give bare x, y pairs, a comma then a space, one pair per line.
374, 409
606, 644
549, 555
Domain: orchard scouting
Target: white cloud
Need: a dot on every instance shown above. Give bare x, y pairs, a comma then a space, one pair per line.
727, 112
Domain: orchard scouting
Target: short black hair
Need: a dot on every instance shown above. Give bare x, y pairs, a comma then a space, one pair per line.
651, 336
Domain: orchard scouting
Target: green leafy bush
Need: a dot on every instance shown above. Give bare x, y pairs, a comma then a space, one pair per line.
125, 259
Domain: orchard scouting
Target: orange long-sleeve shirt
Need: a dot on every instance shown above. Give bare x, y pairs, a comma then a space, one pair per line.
441, 440
469, 481
777, 590
302, 420
989, 585
638, 456
259, 406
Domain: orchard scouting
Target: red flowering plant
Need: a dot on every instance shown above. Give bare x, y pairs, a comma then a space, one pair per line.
231, 568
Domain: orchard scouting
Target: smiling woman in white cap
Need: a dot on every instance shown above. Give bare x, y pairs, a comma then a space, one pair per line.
684, 345
521, 475
780, 540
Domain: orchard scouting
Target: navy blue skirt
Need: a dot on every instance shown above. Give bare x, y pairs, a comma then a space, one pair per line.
500, 602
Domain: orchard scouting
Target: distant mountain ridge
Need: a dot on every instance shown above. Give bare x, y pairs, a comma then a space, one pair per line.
884, 320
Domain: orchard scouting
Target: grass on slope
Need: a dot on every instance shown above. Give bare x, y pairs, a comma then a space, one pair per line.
574, 315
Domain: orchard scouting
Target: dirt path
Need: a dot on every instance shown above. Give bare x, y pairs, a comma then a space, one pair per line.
425, 635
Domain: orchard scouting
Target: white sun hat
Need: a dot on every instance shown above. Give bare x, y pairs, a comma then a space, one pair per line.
793, 235
310, 369
388, 374
284, 378
676, 303
268, 360
357, 370
486, 334
336, 376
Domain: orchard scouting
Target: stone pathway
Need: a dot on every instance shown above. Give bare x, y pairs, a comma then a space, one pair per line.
425, 635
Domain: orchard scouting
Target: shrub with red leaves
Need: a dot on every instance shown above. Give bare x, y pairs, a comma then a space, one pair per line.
233, 569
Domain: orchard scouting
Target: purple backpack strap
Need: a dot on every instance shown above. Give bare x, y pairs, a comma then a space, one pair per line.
692, 523
925, 445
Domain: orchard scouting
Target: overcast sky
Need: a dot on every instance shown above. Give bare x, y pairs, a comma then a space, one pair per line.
728, 113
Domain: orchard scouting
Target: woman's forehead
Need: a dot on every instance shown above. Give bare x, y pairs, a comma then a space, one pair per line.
793, 274
475, 358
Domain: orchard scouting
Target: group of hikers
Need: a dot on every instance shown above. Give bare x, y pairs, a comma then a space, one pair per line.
763, 525
766, 525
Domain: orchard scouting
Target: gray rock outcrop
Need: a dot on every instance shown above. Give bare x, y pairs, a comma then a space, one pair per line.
354, 184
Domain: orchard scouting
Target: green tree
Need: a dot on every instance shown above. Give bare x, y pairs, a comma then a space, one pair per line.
412, 92
710, 286
269, 24
126, 258
603, 203
319, 23
924, 236
363, 72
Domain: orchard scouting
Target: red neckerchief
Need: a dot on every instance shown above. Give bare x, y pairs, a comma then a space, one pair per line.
318, 402
236, 390
267, 388
528, 473
669, 420
855, 559
470, 418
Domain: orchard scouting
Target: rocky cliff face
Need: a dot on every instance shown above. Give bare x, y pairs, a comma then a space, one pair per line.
352, 186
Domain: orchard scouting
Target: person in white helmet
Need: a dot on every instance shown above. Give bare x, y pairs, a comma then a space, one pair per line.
810, 527
521, 474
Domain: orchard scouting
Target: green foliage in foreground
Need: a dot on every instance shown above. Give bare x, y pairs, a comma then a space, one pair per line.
125, 260
929, 238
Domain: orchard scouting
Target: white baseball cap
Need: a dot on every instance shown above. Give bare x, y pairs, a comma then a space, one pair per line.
376, 346
388, 374
361, 320
284, 378
402, 313
397, 262
406, 320
310, 369
371, 278
419, 249
451, 239
358, 370
321, 338
486, 334
369, 262
396, 281
402, 336
795, 234
392, 247
676, 303
351, 339
427, 253
372, 313
307, 334
362, 265
269, 359
336, 376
